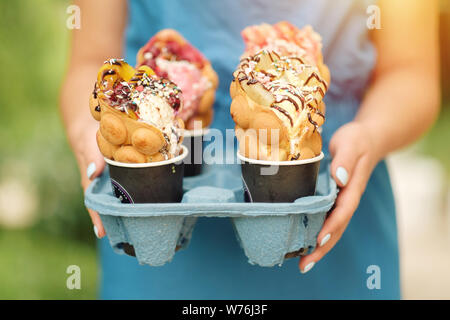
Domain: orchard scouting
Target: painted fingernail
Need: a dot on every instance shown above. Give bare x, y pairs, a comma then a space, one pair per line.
308, 267
96, 232
91, 170
342, 175
325, 239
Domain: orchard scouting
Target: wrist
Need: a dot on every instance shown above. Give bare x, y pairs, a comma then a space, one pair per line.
375, 140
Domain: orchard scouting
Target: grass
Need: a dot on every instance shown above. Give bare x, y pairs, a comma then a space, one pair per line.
32, 139
436, 142
34, 266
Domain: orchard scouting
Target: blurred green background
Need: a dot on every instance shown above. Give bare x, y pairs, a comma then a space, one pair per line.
44, 227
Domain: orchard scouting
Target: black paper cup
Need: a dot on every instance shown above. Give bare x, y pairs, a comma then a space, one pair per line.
153, 182
195, 143
279, 181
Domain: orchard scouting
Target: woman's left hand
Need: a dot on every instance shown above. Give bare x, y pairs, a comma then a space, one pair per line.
354, 158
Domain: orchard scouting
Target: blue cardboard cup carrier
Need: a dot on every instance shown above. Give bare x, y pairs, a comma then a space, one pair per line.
277, 182
195, 143
154, 182
268, 232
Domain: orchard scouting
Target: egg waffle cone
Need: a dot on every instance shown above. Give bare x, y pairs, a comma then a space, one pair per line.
266, 129
122, 137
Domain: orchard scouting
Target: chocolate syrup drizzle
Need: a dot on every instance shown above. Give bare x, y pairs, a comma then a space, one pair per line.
318, 78
297, 58
274, 106
241, 76
287, 98
312, 121
94, 93
108, 72
116, 62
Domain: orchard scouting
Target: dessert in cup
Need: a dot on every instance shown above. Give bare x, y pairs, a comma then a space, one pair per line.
173, 57
277, 104
138, 114
140, 133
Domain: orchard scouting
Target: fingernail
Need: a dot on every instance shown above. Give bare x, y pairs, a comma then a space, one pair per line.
308, 267
96, 232
325, 239
342, 175
91, 170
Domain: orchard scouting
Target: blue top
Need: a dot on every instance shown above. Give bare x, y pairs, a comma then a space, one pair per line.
214, 266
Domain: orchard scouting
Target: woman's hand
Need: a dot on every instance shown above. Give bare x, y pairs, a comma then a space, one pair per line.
90, 161
400, 104
354, 158
100, 38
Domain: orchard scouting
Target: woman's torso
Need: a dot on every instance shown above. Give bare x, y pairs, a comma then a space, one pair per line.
214, 27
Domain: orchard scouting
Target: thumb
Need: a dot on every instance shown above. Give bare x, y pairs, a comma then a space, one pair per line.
94, 164
345, 157
95, 167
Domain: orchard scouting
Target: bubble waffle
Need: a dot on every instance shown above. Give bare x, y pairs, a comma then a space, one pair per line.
172, 57
277, 101
137, 114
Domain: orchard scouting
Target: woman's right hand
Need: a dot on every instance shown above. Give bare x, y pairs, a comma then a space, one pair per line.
90, 162
99, 38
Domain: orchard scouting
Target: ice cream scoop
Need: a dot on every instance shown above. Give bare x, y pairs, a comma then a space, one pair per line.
287, 40
171, 56
138, 114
